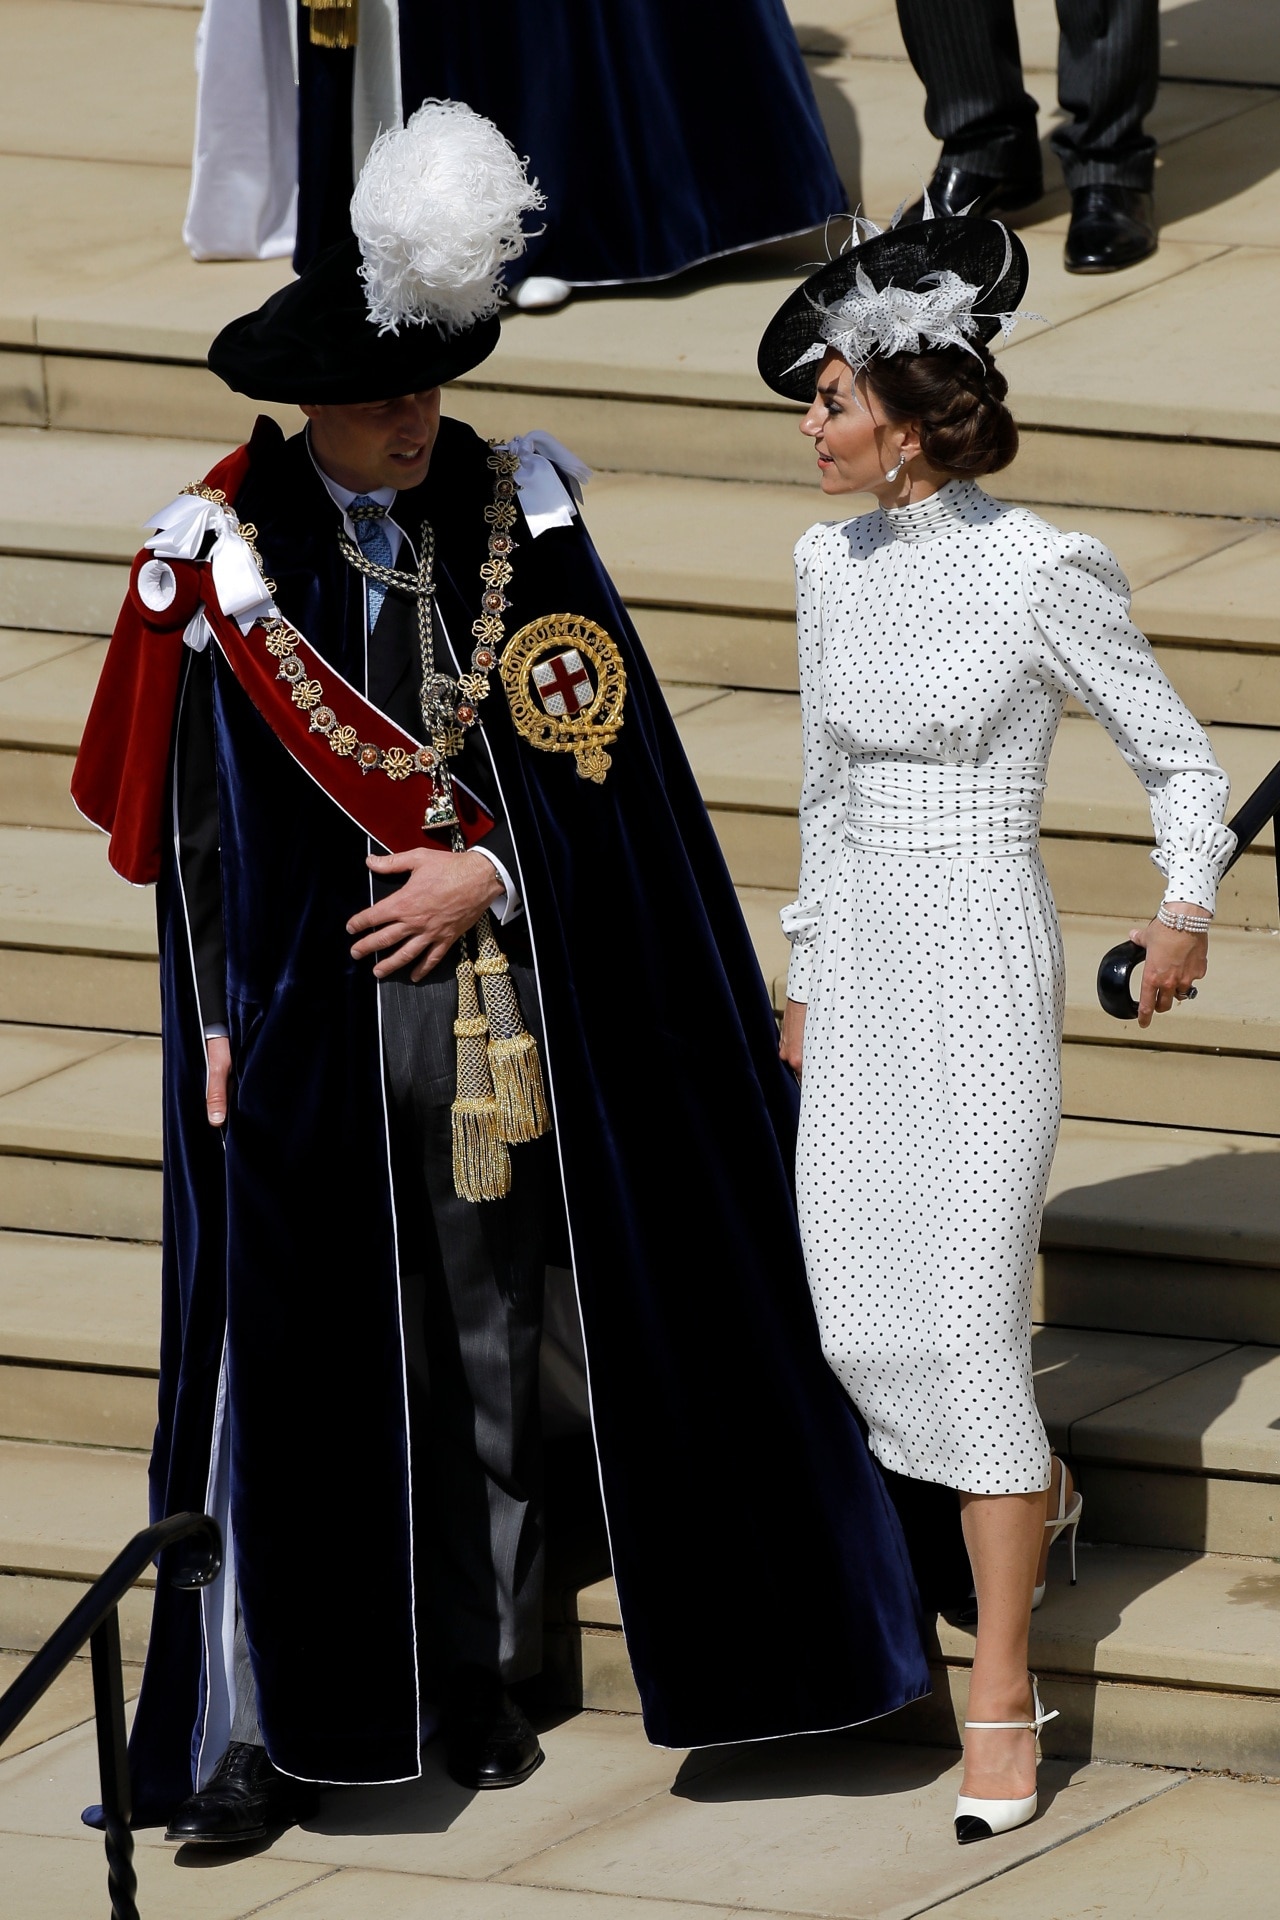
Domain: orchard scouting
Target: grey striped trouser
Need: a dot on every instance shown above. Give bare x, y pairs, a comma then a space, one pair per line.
966, 52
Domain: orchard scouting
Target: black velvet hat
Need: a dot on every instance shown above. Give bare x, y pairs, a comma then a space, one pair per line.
941, 281
314, 343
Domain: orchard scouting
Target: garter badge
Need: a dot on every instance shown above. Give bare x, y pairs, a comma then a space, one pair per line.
566, 685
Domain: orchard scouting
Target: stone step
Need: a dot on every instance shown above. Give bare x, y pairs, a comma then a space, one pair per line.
1167, 1659
1174, 1442
1162, 1230
79, 1339
1096, 832
704, 564
79, 1132
79, 1303
1235, 45
77, 946
65, 1512
682, 397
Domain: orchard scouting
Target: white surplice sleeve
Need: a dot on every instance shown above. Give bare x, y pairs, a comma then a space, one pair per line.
1079, 600
824, 793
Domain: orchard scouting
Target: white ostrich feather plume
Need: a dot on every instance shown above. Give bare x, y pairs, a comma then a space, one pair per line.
437, 212
942, 310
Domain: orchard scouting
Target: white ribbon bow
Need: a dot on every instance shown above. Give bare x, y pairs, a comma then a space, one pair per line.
181, 529
544, 498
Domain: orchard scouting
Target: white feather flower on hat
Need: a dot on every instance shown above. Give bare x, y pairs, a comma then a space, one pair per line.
941, 310
437, 212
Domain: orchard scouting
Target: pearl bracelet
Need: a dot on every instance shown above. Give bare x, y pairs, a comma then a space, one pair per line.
1185, 922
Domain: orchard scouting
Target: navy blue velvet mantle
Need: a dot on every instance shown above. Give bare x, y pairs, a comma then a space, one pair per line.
663, 132
763, 1578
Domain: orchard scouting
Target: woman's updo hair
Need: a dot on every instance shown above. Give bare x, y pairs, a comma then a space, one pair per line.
958, 398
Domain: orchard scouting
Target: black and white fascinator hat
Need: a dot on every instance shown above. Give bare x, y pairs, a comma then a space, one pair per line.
410, 298
943, 281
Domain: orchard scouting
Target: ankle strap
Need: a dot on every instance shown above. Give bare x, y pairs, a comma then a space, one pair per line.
1039, 1718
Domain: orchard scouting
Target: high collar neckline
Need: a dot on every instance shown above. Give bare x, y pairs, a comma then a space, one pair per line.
927, 519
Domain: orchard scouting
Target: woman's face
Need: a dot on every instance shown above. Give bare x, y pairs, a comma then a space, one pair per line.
855, 443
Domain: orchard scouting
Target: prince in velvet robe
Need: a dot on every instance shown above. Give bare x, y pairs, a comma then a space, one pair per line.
762, 1576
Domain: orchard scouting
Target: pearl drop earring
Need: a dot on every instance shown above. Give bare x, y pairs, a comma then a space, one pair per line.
895, 471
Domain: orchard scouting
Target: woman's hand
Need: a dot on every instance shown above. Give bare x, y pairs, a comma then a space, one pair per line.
1174, 962
791, 1040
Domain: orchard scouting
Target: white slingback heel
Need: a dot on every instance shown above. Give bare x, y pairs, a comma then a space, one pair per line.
983, 1819
1065, 1520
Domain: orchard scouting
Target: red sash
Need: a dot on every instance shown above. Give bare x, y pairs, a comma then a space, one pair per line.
120, 779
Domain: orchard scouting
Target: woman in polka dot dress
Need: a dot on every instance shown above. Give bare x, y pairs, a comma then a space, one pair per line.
940, 638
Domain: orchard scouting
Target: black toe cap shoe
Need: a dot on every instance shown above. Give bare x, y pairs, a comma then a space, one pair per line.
953, 189
488, 1740
969, 1828
246, 1799
1111, 227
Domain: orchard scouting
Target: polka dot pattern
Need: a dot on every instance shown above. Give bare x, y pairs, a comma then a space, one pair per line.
938, 645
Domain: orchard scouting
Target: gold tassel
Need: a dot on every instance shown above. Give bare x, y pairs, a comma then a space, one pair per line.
333, 23
481, 1163
516, 1071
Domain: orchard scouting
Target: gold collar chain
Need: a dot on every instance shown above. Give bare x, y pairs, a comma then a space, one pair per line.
449, 705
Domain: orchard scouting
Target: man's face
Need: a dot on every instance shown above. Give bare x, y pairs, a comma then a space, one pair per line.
379, 443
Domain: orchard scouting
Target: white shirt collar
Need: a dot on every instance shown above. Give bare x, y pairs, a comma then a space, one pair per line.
343, 497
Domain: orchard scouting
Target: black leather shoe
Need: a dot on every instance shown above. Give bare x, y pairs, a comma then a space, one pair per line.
1111, 227
246, 1799
953, 189
488, 1741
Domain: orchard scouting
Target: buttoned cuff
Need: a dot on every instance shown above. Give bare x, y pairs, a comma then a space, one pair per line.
798, 973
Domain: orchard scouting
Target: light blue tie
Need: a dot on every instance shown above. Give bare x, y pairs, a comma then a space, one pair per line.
375, 545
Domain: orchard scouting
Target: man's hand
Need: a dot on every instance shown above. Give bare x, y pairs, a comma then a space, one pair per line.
442, 899
218, 1055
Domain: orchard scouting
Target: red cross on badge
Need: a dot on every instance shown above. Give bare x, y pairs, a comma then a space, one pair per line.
563, 683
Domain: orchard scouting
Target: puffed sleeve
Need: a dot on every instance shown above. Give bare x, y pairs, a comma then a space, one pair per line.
823, 795
1079, 599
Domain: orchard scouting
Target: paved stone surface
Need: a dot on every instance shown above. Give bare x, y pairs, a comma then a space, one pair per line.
66, 1879
1206, 1847
68, 1703
609, 1829
823, 1826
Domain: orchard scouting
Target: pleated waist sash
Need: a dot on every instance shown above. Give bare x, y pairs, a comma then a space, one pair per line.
964, 812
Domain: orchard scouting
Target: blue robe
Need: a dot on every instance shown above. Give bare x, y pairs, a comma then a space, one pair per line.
663, 132
762, 1574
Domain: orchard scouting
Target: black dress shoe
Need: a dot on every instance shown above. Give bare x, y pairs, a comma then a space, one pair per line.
953, 189
488, 1741
246, 1799
1111, 227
